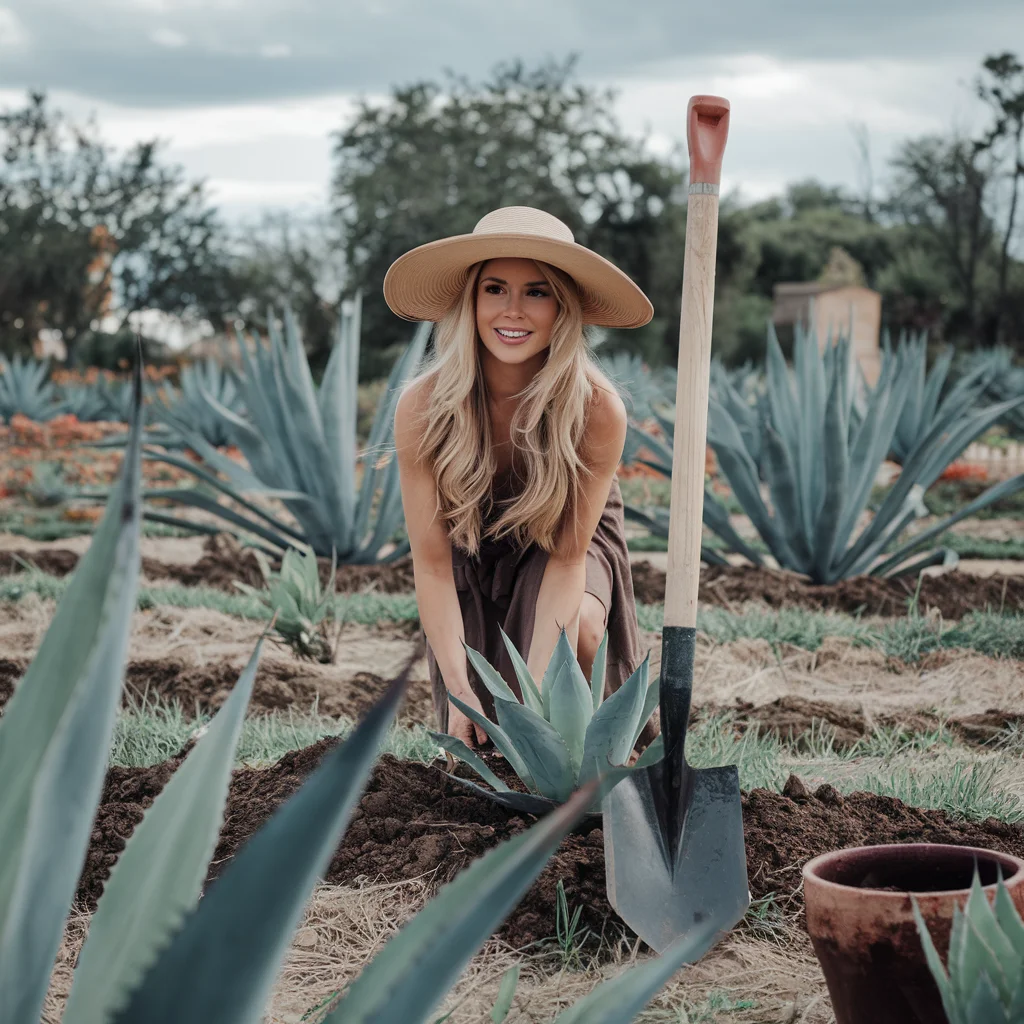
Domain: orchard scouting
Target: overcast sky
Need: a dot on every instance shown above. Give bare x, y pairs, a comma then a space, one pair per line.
246, 92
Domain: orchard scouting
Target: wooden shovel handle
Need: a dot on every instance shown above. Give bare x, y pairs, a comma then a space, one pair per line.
706, 133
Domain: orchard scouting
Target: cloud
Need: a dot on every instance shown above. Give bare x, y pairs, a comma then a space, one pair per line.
12, 31
112, 49
168, 37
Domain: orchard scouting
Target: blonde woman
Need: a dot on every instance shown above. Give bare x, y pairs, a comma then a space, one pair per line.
507, 445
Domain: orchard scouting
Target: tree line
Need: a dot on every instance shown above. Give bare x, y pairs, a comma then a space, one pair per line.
85, 230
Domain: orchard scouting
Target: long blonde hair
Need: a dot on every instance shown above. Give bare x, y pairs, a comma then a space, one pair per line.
547, 427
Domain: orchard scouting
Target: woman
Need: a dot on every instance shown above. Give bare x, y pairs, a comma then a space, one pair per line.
507, 447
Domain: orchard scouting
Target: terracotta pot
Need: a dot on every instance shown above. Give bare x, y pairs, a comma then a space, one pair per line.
861, 923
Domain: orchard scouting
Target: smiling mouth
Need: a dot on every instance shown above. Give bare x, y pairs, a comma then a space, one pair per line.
507, 334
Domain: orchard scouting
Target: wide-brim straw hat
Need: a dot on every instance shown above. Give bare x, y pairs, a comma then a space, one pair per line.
424, 283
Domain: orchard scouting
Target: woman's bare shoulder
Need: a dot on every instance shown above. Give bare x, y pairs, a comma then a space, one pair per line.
413, 402
606, 419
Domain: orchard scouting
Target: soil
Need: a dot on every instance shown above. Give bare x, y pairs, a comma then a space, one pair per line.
10, 671
222, 563
414, 821
278, 686
952, 594
792, 718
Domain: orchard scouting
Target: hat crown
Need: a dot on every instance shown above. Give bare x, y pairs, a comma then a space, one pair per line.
523, 220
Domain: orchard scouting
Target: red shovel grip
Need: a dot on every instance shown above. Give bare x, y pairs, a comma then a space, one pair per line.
707, 130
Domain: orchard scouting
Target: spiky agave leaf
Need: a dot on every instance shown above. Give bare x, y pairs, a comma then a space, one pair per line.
300, 444
565, 735
296, 601
26, 390
820, 461
158, 878
983, 982
54, 739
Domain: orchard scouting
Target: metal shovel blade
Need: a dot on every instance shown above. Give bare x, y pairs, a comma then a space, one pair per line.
673, 834
662, 897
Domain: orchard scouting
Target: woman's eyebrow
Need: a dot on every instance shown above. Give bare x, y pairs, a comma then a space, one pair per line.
529, 284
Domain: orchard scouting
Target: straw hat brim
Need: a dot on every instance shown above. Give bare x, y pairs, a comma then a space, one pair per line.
425, 282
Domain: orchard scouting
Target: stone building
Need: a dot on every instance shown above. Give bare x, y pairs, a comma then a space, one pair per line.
838, 302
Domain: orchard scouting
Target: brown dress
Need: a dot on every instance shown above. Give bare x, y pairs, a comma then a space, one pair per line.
499, 588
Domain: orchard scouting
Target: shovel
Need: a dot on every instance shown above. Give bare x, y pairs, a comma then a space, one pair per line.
673, 834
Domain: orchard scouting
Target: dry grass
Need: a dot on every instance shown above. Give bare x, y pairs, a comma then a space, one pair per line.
949, 681
759, 982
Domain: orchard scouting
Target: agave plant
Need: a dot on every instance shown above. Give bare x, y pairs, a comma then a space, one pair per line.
929, 402
26, 389
645, 390
300, 444
190, 410
158, 953
1005, 380
86, 402
565, 734
984, 983
297, 602
820, 464
659, 458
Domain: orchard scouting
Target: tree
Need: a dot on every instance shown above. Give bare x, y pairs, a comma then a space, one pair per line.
283, 260
84, 231
435, 157
1003, 91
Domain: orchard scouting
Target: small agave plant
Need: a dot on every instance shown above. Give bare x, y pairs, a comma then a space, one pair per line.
565, 734
297, 601
985, 979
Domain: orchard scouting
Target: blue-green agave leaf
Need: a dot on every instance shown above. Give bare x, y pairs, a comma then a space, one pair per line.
458, 749
620, 999
531, 694
159, 876
571, 710
54, 739
498, 737
538, 743
490, 676
407, 979
609, 739
221, 965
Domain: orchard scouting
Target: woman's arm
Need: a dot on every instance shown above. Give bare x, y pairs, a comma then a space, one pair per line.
565, 576
436, 596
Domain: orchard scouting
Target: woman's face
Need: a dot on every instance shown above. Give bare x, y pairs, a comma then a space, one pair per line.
515, 309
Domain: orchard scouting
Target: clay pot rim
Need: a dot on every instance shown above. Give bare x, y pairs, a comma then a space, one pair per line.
808, 872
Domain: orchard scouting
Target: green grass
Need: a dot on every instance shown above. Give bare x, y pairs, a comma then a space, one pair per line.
924, 770
147, 733
982, 547
908, 638
49, 524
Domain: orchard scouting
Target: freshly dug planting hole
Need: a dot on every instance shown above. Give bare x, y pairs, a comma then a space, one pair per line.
953, 594
415, 821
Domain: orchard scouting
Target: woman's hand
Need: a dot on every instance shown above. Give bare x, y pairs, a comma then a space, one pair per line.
459, 725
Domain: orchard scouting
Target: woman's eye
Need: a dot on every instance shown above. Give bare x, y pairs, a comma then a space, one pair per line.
538, 293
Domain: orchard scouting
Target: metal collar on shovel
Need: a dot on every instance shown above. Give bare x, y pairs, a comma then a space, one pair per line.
673, 835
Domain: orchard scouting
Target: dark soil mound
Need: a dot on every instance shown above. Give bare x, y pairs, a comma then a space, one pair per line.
278, 686
785, 830
413, 821
223, 562
54, 561
794, 719
10, 673
954, 594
